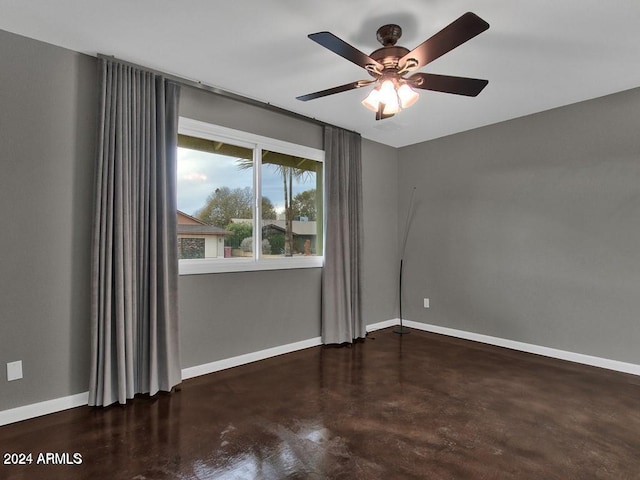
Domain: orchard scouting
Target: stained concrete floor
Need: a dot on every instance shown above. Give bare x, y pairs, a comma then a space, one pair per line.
418, 406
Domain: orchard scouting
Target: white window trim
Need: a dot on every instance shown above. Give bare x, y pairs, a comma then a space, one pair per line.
196, 128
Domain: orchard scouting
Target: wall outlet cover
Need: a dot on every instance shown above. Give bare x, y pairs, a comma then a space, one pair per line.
14, 370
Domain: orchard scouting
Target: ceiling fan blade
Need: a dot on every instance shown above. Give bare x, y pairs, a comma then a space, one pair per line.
470, 87
342, 48
453, 35
339, 89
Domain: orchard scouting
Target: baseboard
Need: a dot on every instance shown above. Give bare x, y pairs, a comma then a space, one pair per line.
380, 325
43, 408
529, 348
212, 367
248, 358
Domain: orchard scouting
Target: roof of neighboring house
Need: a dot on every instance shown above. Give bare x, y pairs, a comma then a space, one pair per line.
298, 227
186, 219
189, 229
194, 226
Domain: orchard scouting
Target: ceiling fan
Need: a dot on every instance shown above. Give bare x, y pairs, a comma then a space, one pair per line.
390, 64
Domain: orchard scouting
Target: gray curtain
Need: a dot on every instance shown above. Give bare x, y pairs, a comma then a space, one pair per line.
341, 279
135, 344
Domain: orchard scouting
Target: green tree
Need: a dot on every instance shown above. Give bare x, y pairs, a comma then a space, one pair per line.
276, 240
304, 204
224, 204
240, 231
268, 210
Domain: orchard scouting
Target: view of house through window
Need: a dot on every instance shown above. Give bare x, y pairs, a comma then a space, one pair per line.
243, 201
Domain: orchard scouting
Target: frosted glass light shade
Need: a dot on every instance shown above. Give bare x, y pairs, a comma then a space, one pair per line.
373, 100
389, 97
407, 95
393, 100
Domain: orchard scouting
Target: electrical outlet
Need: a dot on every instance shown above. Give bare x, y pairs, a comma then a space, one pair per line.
14, 371
426, 303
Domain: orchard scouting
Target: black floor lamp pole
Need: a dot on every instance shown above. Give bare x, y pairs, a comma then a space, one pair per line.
402, 330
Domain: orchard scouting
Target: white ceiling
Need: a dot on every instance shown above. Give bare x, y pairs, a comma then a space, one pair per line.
537, 54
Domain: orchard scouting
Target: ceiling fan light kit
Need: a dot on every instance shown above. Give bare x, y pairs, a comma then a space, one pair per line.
392, 95
390, 64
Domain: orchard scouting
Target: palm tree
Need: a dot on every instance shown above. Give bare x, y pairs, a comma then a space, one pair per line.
288, 175
290, 168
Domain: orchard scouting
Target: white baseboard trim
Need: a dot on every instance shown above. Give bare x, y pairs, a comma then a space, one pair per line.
380, 325
59, 404
43, 408
248, 358
223, 364
529, 348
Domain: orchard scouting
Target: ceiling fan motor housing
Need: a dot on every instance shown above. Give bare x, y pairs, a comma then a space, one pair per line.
389, 34
390, 54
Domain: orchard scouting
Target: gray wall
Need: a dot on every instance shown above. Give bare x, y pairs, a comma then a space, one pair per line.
227, 314
380, 224
529, 230
207, 107
47, 140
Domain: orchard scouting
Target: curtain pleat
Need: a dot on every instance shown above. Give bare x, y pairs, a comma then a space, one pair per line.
135, 337
342, 319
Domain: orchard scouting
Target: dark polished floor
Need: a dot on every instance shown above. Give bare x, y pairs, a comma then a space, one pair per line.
393, 407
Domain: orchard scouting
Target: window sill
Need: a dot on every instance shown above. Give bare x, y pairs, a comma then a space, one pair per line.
200, 267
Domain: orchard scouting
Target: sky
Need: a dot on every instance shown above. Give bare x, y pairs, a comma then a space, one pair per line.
200, 173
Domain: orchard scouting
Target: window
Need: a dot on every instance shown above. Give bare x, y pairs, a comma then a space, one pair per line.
247, 202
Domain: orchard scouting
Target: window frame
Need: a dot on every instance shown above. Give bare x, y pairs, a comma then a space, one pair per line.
209, 131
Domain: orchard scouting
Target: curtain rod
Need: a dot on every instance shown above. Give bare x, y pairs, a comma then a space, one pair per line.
224, 93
